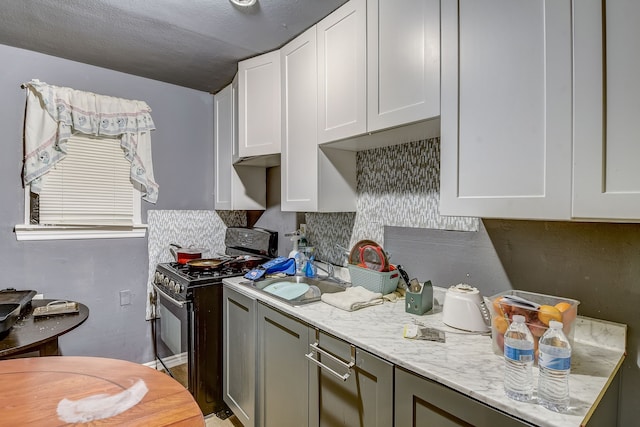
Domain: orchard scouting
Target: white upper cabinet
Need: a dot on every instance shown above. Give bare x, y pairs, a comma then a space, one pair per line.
506, 110
236, 187
342, 72
259, 109
607, 110
403, 62
299, 165
378, 68
311, 180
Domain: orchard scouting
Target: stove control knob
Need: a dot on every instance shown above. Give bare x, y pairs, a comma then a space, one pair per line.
172, 285
165, 281
158, 278
180, 288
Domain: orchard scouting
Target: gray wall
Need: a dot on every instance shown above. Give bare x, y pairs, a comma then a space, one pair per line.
94, 271
273, 218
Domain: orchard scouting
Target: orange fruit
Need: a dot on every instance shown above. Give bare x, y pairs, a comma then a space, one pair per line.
496, 305
499, 306
547, 313
501, 324
563, 306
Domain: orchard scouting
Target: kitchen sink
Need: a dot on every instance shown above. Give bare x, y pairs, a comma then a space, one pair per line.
297, 290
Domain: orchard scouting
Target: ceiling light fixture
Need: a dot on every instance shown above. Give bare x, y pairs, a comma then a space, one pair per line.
243, 3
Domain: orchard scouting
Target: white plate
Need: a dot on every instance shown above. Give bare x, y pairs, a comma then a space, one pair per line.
287, 290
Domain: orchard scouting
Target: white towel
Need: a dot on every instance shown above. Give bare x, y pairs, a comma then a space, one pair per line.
353, 298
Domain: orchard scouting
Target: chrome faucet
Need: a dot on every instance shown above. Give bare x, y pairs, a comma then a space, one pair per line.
330, 270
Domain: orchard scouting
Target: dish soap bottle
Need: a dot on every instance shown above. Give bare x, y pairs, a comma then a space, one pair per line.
296, 254
310, 270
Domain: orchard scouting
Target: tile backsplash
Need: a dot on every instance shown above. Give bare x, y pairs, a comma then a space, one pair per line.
396, 186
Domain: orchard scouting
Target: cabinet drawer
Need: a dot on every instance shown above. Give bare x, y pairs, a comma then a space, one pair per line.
337, 347
422, 402
364, 398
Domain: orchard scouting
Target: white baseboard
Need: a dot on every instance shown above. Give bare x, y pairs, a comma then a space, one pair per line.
178, 359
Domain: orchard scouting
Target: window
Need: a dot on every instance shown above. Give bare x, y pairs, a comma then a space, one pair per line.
88, 194
87, 164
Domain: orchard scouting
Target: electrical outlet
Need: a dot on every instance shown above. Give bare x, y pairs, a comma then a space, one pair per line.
125, 297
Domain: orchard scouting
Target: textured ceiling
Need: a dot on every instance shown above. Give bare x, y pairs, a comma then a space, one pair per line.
191, 43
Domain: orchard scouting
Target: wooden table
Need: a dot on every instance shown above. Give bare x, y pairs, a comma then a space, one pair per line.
33, 387
41, 333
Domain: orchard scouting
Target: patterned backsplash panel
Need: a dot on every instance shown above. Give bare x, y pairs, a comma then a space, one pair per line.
328, 233
397, 186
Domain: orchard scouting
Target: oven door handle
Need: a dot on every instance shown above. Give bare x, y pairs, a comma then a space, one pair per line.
171, 300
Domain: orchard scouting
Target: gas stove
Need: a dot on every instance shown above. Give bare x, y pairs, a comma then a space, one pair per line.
245, 248
178, 280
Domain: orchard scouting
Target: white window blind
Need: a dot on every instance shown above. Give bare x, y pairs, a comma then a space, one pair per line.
90, 186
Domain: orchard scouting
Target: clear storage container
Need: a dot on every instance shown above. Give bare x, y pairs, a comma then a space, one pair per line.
564, 310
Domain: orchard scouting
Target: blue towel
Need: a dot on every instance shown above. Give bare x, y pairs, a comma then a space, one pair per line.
277, 265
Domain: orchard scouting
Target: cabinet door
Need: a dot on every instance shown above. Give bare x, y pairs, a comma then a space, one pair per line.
342, 75
239, 360
607, 129
223, 146
259, 105
403, 56
364, 399
313, 179
235, 152
236, 187
299, 157
284, 382
506, 111
423, 403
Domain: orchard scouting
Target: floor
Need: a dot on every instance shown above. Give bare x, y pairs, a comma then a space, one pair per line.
213, 421
180, 374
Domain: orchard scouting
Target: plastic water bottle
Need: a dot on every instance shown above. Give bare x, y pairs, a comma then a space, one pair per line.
518, 360
554, 362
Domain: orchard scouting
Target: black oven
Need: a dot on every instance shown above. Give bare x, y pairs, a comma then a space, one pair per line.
188, 337
187, 328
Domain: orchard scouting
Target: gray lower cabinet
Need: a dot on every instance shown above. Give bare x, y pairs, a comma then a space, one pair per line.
239, 355
420, 402
361, 396
283, 392
270, 381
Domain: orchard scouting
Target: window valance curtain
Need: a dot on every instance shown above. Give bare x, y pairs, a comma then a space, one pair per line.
55, 113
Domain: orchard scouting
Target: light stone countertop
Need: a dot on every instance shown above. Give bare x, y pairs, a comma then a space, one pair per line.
466, 362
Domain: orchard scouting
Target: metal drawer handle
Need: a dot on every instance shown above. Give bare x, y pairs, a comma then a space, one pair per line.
315, 348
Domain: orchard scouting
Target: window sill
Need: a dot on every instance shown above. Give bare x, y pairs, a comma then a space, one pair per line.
43, 232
